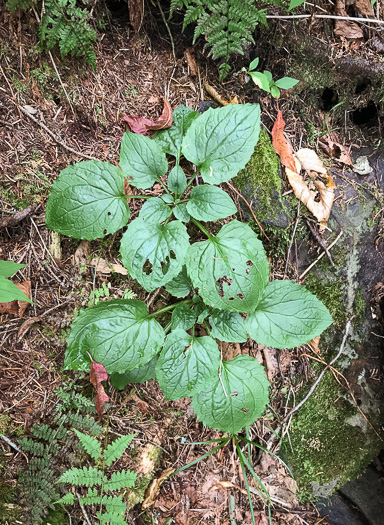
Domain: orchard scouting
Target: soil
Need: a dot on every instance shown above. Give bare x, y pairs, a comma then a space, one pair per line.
41, 129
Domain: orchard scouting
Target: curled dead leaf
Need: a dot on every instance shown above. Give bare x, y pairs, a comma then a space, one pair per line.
103, 266
310, 161
336, 151
314, 344
98, 373
82, 252
189, 55
154, 487
17, 307
142, 125
281, 145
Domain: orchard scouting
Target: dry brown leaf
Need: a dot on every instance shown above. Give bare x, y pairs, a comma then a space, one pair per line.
310, 161
142, 125
281, 145
364, 6
214, 94
189, 55
82, 252
24, 328
141, 405
343, 28
336, 151
154, 487
103, 266
97, 374
314, 344
17, 307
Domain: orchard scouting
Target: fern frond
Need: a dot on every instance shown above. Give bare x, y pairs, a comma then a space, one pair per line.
115, 449
110, 517
92, 498
34, 447
90, 444
68, 499
114, 504
86, 424
86, 476
120, 480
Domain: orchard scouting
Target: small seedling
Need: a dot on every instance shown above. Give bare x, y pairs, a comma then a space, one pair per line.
265, 81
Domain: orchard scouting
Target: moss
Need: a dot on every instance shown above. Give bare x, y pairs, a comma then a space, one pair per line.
323, 449
359, 307
33, 188
331, 294
261, 176
56, 517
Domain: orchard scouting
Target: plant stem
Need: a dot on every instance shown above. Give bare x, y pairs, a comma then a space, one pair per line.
137, 196
164, 186
170, 307
201, 227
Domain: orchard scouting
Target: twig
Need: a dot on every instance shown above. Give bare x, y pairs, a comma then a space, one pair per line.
319, 239
315, 384
321, 255
168, 30
10, 443
249, 207
17, 217
331, 17
83, 510
292, 239
55, 138
61, 82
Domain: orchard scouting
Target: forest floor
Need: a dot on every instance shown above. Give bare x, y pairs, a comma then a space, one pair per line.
41, 129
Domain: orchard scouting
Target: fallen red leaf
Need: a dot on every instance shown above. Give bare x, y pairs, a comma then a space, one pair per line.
142, 125
17, 307
98, 373
281, 145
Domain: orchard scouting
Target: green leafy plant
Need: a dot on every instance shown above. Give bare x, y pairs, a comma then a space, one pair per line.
100, 488
265, 81
222, 279
8, 290
64, 24
226, 24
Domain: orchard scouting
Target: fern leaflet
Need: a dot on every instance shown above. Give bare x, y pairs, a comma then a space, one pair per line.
120, 480
90, 444
115, 449
86, 476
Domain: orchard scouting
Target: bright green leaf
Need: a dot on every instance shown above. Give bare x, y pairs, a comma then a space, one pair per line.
120, 480
87, 201
152, 253
221, 141
89, 444
180, 212
186, 364
237, 400
287, 316
253, 65
114, 505
155, 210
268, 74
210, 203
119, 334
227, 326
170, 140
115, 449
286, 83
275, 91
181, 285
183, 318
177, 181
261, 81
231, 270
88, 476
295, 3
10, 292
142, 160
8, 268
137, 375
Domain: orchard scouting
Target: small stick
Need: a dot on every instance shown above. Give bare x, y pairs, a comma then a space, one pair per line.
83, 510
61, 82
319, 239
17, 217
55, 138
321, 255
10, 443
330, 17
292, 239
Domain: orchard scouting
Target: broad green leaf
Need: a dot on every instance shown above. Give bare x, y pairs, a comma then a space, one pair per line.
253, 65
275, 91
295, 3
167, 198
152, 253
221, 141
261, 80
286, 83
237, 400
230, 270
287, 316
10, 292
119, 334
171, 139
115, 449
89, 444
8, 268
186, 364
180, 212
268, 74
181, 285
87, 201
183, 318
227, 326
137, 375
155, 210
120, 480
210, 203
177, 181
142, 160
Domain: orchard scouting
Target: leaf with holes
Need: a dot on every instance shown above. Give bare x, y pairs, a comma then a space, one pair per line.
186, 364
142, 160
120, 334
227, 326
235, 401
210, 203
87, 201
152, 253
170, 140
287, 316
137, 375
155, 210
181, 285
230, 270
221, 141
